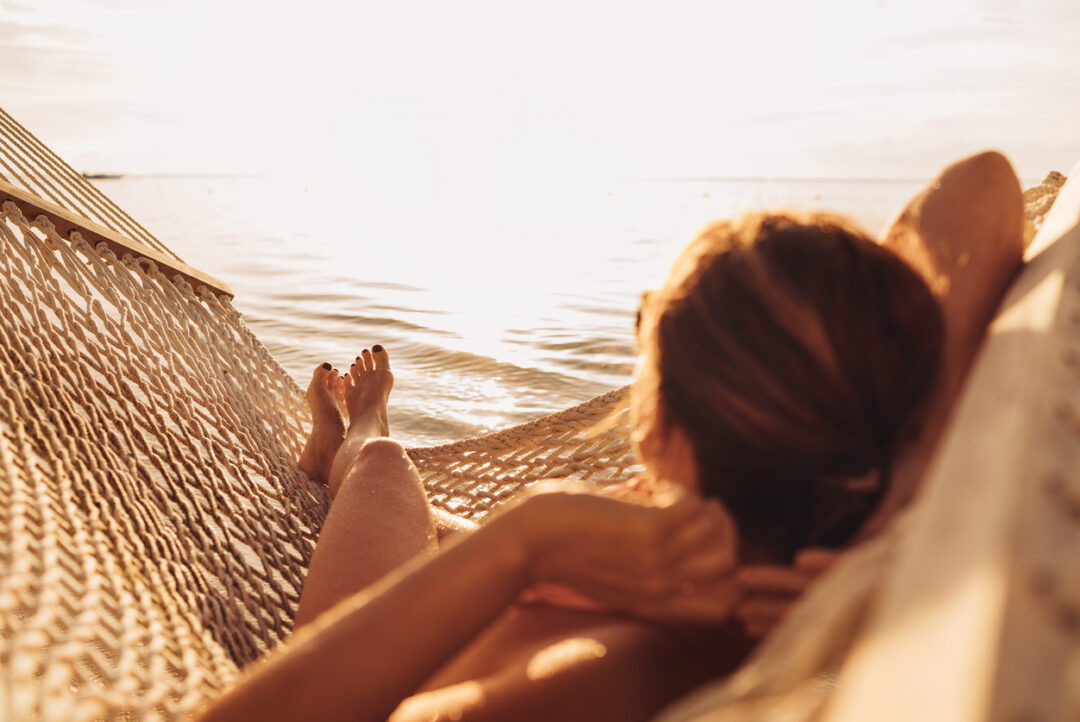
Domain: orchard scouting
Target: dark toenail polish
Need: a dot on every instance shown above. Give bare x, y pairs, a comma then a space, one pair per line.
366, 351
377, 348
327, 367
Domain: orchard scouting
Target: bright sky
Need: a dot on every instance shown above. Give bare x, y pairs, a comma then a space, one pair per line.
492, 89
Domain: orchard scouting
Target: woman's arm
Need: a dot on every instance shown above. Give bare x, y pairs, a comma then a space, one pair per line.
359, 660
964, 233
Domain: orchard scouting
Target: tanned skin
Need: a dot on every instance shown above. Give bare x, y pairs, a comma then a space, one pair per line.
390, 620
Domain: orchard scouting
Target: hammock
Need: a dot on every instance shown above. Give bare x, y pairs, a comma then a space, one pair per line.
156, 527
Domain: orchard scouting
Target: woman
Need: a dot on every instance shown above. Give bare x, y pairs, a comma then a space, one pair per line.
791, 367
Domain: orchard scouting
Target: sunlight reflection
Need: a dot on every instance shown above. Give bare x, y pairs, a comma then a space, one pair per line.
451, 702
553, 659
492, 318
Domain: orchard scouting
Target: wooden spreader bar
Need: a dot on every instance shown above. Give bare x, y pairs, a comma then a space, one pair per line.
66, 221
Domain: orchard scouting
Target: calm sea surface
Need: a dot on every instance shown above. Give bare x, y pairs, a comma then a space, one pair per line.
497, 305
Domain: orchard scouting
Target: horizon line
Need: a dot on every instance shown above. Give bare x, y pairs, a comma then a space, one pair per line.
117, 175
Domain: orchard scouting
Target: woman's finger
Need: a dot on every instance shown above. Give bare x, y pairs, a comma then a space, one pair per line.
694, 534
677, 509
815, 559
756, 630
725, 524
772, 578
611, 588
705, 545
715, 603
761, 612
712, 562
626, 587
652, 579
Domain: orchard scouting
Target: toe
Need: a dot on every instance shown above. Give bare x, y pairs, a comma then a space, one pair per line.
318, 378
337, 386
328, 381
380, 357
319, 374
369, 361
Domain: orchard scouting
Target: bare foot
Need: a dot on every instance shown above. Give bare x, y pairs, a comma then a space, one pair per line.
325, 397
367, 389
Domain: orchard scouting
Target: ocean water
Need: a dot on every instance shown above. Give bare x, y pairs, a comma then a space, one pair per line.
498, 304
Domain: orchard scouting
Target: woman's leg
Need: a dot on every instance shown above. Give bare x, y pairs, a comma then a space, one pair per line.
380, 516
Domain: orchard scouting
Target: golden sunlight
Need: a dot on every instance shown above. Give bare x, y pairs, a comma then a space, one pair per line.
453, 702
559, 656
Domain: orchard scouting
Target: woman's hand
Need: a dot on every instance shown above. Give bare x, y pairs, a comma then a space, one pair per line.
673, 560
769, 590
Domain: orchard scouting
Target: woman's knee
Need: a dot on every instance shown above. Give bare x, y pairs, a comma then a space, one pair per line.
382, 468
383, 452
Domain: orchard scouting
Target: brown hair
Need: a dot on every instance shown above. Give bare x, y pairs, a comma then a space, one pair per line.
795, 353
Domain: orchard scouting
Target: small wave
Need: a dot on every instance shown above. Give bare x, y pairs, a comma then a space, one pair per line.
389, 286
397, 309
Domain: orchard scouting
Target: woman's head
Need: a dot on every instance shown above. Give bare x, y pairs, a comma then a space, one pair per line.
790, 354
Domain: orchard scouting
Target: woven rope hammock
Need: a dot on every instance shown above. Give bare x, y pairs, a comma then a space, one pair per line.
156, 529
